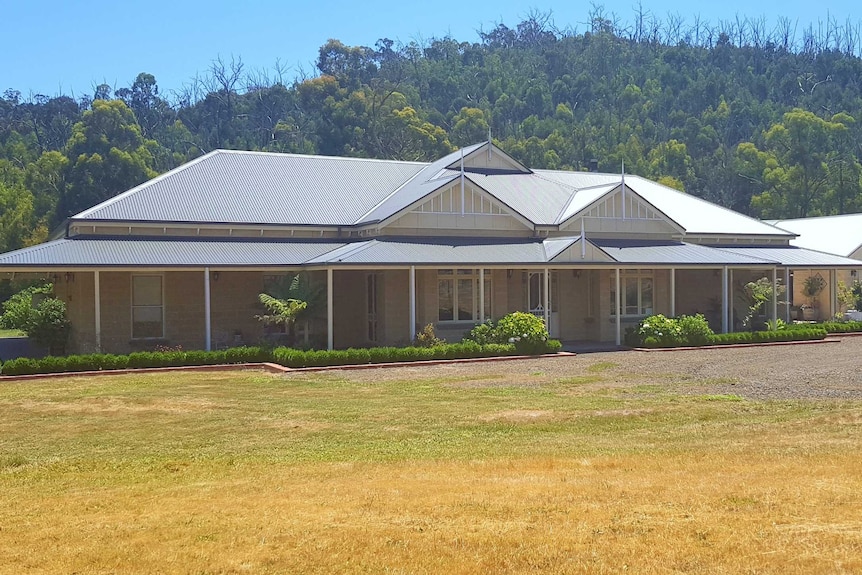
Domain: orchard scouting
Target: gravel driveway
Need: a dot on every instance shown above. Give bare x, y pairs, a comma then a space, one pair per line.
825, 370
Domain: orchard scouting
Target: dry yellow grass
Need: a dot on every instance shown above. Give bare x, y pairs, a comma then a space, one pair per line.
244, 473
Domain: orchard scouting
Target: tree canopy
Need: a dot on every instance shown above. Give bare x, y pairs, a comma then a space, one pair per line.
762, 121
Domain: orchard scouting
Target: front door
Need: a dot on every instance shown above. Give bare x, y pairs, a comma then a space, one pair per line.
536, 300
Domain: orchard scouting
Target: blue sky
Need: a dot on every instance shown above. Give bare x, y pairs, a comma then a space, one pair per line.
57, 46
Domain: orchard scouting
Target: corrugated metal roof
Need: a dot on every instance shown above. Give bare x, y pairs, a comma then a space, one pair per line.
536, 198
448, 251
432, 177
108, 252
127, 252
649, 252
697, 216
840, 235
262, 188
258, 187
794, 256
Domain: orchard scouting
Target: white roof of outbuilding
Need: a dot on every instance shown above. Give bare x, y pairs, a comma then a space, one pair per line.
840, 235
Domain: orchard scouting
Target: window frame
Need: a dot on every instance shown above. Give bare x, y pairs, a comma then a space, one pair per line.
133, 306
639, 276
457, 275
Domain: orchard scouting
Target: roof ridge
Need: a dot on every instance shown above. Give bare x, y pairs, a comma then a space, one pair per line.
808, 219
317, 156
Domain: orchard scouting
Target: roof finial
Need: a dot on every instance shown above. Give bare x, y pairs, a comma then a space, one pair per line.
489, 142
623, 178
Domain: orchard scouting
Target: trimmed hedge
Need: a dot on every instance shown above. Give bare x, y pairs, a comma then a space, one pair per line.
284, 356
842, 326
795, 334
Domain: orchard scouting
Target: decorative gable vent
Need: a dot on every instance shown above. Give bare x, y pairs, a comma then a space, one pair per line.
635, 208
449, 202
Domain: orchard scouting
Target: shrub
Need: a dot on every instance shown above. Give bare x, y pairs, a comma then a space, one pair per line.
42, 317
287, 357
841, 326
695, 329
802, 334
427, 338
525, 330
484, 333
659, 331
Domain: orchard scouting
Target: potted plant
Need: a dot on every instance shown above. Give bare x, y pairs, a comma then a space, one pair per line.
811, 288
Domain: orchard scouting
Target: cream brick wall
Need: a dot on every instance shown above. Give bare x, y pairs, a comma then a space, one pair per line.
350, 308
394, 287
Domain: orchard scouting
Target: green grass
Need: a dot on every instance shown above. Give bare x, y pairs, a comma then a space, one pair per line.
233, 472
135, 421
11, 333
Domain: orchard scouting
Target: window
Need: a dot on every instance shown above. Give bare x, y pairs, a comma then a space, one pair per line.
637, 293
458, 295
148, 318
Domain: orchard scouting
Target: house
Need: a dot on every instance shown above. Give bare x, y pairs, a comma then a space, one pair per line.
841, 235
181, 259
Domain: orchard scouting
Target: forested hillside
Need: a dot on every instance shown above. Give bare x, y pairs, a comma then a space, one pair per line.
765, 121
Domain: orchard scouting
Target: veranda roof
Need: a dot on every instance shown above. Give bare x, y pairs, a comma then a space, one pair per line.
124, 252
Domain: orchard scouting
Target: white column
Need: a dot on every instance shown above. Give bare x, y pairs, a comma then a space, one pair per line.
672, 292
330, 339
775, 294
619, 314
98, 303
833, 291
787, 295
412, 300
207, 310
482, 294
547, 299
724, 295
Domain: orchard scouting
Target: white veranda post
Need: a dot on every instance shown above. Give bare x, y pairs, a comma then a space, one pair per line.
724, 300
98, 309
618, 307
330, 339
207, 310
412, 311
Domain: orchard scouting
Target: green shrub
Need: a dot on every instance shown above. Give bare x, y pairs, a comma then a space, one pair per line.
483, 334
525, 330
695, 329
287, 357
841, 326
427, 338
659, 331
801, 334
38, 314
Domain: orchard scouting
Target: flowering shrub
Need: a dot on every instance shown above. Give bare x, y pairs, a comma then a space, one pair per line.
660, 331
525, 330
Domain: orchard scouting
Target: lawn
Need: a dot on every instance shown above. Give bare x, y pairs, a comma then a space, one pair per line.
11, 333
243, 472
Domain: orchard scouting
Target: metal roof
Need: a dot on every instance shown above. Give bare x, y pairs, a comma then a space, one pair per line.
793, 256
649, 252
97, 252
440, 251
698, 216
231, 187
258, 187
119, 252
840, 235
